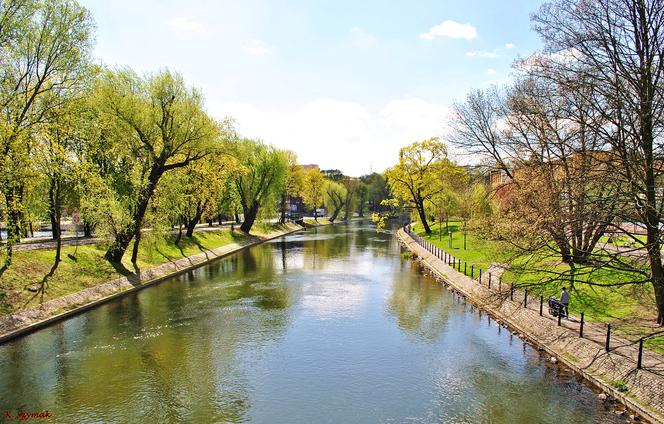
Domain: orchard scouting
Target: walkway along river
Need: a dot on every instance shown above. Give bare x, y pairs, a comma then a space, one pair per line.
330, 325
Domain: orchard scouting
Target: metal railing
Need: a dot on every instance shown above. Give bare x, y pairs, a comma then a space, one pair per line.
461, 266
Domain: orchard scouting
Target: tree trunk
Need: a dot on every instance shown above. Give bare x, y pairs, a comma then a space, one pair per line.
335, 213
13, 222
282, 218
423, 217
119, 246
87, 228
249, 218
191, 225
179, 237
55, 213
137, 242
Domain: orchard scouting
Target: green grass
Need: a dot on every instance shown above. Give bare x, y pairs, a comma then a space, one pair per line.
321, 221
631, 309
84, 266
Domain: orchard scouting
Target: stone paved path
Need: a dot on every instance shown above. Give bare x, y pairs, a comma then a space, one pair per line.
586, 355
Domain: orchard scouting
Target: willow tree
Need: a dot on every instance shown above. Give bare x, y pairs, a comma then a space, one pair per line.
45, 48
422, 173
335, 198
263, 180
159, 125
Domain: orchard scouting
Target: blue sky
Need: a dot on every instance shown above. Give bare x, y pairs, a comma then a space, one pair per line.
342, 83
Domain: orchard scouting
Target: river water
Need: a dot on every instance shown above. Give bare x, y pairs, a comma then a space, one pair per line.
326, 326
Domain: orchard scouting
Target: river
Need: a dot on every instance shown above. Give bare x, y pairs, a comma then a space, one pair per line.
330, 325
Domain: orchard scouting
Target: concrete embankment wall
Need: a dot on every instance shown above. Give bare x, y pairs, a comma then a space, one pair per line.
22, 322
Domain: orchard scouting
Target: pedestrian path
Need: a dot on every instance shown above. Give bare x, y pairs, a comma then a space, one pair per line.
586, 355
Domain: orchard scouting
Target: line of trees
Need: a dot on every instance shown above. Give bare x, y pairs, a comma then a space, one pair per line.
119, 151
578, 140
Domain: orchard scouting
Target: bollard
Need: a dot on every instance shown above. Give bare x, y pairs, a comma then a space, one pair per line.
500, 285
511, 291
559, 318
480, 279
541, 304
608, 337
640, 359
465, 268
581, 326
489, 280
472, 271
525, 299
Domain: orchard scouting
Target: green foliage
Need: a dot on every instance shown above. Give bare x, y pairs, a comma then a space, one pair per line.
620, 385
263, 181
423, 173
313, 188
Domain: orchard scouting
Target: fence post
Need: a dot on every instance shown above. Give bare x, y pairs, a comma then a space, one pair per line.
480, 279
608, 337
489, 280
581, 326
472, 271
465, 268
541, 304
511, 291
640, 360
525, 299
500, 285
559, 317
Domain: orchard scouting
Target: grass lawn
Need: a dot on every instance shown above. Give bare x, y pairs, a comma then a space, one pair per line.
630, 309
321, 221
84, 266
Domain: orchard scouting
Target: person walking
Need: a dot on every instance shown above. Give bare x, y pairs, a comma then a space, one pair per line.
564, 299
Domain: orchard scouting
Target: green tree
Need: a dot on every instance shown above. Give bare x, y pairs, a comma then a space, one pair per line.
160, 125
422, 173
313, 189
294, 183
45, 48
335, 198
263, 180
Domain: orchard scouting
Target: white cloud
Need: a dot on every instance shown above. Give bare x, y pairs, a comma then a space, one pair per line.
340, 134
450, 29
479, 53
509, 46
491, 71
256, 48
184, 24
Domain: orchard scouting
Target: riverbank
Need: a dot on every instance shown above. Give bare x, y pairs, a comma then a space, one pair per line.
614, 372
24, 321
630, 309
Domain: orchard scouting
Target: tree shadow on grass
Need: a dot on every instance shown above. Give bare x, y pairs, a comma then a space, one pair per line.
134, 277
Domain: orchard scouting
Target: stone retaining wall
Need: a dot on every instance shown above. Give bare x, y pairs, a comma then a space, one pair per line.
18, 323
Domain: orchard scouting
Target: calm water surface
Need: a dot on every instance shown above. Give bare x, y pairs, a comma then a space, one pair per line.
330, 325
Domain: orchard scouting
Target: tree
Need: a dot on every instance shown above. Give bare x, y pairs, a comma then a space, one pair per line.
423, 172
204, 183
335, 198
45, 48
352, 186
617, 46
313, 189
162, 126
294, 183
377, 190
263, 179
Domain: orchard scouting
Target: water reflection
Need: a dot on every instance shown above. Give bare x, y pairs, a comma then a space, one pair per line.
326, 326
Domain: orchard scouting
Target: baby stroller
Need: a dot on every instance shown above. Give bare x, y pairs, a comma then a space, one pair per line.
556, 308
